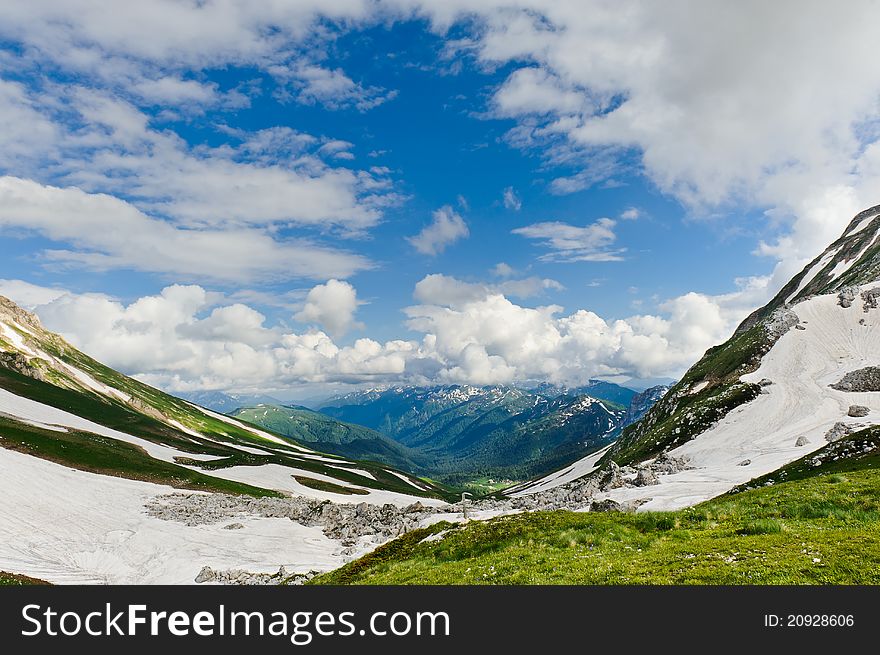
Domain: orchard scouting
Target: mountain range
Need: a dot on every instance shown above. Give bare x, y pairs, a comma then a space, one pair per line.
461, 433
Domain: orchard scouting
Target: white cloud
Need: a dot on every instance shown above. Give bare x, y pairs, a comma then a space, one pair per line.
332, 306
29, 295
533, 90
188, 338
631, 214
446, 228
511, 200
108, 233
438, 289
331, 88
502, 269
181, 339
570, 243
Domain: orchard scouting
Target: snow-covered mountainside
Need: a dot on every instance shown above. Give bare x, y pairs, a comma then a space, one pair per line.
83, 447
771, 394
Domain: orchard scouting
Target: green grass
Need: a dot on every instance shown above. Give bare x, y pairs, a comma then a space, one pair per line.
96, 454
322, 485
486, 486
823, 529
16, 580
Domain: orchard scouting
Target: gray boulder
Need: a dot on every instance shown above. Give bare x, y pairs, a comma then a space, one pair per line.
846, 296
801, 441
858, 411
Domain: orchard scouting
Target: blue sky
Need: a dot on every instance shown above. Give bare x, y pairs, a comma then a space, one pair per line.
325, 191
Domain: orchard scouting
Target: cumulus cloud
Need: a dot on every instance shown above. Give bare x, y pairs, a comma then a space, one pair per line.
188, 338
185, 338
571, 243
332, 306
446, 227
108, 233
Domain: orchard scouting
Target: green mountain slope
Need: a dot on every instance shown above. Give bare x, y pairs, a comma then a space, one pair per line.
331, 436
112, 424
466, 433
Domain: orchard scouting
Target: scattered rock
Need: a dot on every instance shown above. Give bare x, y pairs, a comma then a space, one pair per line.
869, 299
799, 327
863, 379
233, 526
240, 577
613, 479
645, 478
745, 462
765, 382
862, 321
838, 431
857, 411
801, 441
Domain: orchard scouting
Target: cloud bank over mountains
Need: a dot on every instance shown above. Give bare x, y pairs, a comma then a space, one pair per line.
188, 338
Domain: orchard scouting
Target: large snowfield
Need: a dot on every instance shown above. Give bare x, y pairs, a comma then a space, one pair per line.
68, 526
72, 527
801, 365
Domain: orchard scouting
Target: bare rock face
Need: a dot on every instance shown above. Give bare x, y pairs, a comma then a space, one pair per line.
858, 411
21, 364
863, 379
801, 441
780, 322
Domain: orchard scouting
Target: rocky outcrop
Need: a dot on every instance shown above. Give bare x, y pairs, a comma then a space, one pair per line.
780, 322
858, 411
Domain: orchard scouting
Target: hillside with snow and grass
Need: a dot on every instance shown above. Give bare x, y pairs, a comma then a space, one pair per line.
770, 395
84, 448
